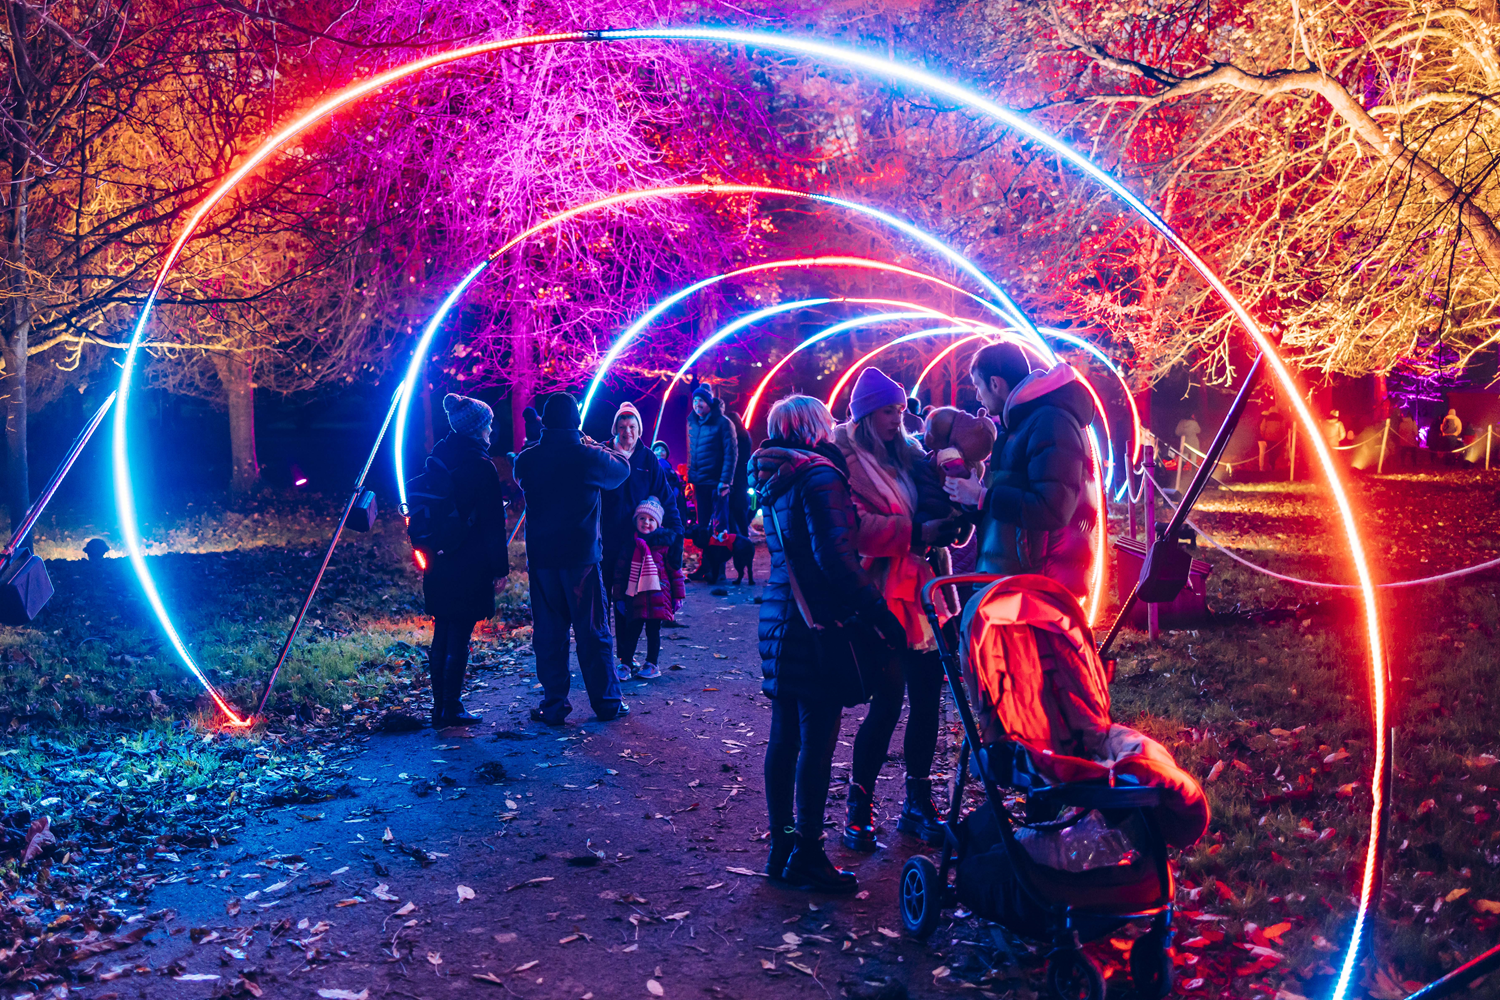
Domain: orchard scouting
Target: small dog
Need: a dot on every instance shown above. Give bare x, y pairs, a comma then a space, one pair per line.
718, 549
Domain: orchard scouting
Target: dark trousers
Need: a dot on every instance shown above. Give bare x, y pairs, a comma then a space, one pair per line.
921, 681
706, 496
448, 659
563, 599
799, 761
628, 633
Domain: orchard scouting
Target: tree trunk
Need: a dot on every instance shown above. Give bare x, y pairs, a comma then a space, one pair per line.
237, 376
14, 338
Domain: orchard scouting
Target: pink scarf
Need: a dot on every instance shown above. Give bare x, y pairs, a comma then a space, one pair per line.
645, 575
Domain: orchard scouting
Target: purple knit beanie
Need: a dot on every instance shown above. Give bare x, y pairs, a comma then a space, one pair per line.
873, 390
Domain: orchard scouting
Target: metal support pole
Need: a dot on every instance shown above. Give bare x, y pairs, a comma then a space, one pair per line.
1194, 490
1489, 432
1130, 504
1262, 465
18, 537
1291, 465
1181, 461
359, 487
1385, 434
1153, 616
1460, 978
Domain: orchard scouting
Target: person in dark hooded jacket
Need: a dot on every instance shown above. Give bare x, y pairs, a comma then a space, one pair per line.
712, 452
459, 586
804, 491
1038, 508
563, 475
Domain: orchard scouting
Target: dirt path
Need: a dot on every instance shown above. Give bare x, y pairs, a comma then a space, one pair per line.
608, 860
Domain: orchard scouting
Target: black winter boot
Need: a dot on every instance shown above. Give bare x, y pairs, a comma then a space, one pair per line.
453, 709
859, 821
782, 842
919, 817
809, 868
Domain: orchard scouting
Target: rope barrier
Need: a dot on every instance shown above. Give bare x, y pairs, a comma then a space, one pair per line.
1423, 581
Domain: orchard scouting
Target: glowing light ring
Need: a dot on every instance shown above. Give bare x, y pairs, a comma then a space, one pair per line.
124, 488
871, 355
824, 334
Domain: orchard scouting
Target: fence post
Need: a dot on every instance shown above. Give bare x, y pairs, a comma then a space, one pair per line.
1385, 433
1291, 465
1153, 622
1262, 444
1181, 461
1489, 432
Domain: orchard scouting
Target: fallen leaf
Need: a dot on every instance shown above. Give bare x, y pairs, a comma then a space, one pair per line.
196, 977
893, 935
344, 994
541, 880
232, 906
355, 901
1427, 806
382, 892
464, 892
527, 965
766, 963
681, 915
38, 838
435, 958
654, 988
1214, 772
387, 836
941, 971
488, 977
791, 938
1275, 931
1455, 895
1486, 905
744, 871
805, 970
1336, 756
408, 908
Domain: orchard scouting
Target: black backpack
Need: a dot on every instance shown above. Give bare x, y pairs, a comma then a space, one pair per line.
435, 524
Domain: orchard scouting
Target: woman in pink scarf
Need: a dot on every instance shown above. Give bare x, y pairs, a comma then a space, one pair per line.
904, 516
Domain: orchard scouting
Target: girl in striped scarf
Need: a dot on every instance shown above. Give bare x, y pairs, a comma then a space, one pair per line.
647, 592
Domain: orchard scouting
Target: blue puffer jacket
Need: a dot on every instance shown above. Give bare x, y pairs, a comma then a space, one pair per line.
807, 492
1041, 509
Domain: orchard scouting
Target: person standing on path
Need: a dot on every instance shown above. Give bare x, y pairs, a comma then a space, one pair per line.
617, 521
1037, 506
804, 492
712, 453
563, 476
459, 580
647, 592
903, 516
1451, 430
1187, 432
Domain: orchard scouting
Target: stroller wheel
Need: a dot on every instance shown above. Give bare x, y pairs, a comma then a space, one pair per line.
1150, 965
1072, 975
921, 896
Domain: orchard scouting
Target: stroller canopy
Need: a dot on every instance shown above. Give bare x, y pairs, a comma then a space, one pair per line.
1034, 678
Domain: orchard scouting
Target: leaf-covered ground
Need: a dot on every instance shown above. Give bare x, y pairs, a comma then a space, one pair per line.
116, 780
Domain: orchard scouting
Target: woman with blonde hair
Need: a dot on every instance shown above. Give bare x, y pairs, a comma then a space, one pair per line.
816, 583
904, 515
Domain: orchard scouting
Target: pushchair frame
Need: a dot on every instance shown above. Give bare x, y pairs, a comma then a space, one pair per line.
924, 888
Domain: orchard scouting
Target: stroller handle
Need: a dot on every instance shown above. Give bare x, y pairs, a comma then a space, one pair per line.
956, 580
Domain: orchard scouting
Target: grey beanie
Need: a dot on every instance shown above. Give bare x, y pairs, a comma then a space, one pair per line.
469, 417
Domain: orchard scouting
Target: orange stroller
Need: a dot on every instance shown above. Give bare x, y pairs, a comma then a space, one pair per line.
1072, 843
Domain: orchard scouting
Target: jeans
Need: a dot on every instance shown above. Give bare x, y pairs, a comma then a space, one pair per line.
629, 631
572, 598
922, 682
799, 761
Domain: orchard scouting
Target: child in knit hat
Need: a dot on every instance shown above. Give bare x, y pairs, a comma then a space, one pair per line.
647, 592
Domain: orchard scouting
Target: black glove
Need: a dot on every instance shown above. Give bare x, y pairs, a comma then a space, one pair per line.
886, 625
937, 533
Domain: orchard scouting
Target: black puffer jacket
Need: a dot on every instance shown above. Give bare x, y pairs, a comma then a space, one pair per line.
711, 446
460, 585
1041, 509
809, 495
648, 478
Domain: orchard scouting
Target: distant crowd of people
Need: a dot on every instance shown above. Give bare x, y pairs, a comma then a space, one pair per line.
858, 517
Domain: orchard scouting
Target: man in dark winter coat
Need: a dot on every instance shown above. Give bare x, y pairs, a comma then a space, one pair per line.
563, 476
458, 583
647, 479
1038, 508
712, 452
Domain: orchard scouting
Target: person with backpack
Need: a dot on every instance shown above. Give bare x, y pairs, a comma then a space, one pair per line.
457, 527
563, 476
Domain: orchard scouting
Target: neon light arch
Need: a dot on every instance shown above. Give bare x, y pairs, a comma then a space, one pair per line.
124, 487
